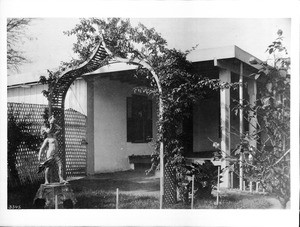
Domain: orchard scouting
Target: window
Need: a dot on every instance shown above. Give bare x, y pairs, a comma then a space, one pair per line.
139, 119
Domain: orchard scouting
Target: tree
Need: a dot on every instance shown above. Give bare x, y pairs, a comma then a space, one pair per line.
272, 158
16, 32
269, 162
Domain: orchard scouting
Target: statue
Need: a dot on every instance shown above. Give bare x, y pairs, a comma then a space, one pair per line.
50, 146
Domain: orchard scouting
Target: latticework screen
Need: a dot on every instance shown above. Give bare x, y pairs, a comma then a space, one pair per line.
75, 133
27, 159
170, 188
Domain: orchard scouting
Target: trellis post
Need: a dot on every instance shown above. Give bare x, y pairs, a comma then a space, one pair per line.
161, 156
60, 115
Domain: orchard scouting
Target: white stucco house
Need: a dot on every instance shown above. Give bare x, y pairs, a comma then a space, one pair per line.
121, 123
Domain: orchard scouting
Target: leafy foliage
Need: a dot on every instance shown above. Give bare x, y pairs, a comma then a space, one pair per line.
177, 84
51, 81
269, 162
18, 133
206, 179
122, 39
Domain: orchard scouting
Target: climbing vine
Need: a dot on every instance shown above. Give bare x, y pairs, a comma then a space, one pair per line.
269, 162
181, 85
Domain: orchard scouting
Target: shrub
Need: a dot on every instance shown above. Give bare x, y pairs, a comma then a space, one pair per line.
19, 133
206, 179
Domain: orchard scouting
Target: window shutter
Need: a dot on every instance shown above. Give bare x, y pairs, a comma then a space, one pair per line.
139, 119
129, 119
149, 134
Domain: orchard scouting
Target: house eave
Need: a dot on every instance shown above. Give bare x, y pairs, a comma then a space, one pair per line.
222, 53
213, 55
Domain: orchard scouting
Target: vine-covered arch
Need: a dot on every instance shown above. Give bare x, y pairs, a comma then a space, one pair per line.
97, 60
60, 89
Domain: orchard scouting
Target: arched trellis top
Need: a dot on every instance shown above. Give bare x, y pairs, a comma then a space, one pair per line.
61, 87
95, 62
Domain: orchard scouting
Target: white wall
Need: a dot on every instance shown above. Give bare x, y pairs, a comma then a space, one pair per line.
111, 149
32, 94
75, 98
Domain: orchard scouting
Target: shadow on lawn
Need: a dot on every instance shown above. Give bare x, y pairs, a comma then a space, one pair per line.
103, 200
136, 191
129, 181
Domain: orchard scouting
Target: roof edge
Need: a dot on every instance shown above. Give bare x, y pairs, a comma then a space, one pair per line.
225, 52
209, 54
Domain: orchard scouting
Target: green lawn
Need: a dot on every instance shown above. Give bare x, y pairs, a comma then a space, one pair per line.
136, 191
105, 200
231, 199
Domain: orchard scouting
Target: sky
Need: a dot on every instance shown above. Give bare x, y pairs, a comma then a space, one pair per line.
49, 46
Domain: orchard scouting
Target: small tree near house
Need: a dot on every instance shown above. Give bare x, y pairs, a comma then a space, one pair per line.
269, 162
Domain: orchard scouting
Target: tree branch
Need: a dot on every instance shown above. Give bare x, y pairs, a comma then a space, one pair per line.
288, 151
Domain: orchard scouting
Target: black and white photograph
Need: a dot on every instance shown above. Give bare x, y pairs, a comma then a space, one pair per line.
126, 116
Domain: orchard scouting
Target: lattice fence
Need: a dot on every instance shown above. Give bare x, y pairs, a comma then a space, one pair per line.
27, 160
75, 133
170, 188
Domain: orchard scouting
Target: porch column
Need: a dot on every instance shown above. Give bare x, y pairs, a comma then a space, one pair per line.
241, 101
252, 91
225, 76
90, 159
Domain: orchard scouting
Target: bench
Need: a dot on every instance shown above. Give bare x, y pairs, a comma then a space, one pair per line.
137, 161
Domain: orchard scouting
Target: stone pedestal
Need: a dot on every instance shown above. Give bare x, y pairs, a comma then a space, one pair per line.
55, 196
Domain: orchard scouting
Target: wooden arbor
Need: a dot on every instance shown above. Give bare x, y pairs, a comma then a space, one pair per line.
60, 89
97, 60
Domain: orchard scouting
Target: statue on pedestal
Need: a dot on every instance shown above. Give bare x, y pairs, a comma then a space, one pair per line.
50, 145
52, 194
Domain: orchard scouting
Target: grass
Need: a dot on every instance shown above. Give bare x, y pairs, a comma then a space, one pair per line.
86, 199
99, 192
100, 199
231, 199
136, 191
